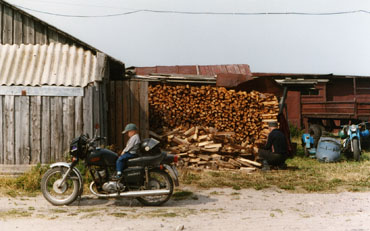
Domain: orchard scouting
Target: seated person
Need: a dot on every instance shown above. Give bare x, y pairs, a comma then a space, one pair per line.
275, 151
134, 139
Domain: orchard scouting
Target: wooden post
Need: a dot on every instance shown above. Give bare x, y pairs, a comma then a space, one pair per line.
112, 114
46, 131
144, 110
78, 116
35, 129
126, 100
56, 105
22, 130
119, 114
9, 157
88, 119
68, 122
135, 103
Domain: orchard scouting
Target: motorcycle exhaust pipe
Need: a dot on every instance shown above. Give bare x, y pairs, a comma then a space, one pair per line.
143, 193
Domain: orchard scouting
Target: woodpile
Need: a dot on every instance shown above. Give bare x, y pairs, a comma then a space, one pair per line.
211, 126
206, 147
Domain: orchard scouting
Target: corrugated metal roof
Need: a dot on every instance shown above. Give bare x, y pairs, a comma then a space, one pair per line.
54, 64
206, 70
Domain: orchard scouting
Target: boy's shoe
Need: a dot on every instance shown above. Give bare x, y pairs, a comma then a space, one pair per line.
118, 176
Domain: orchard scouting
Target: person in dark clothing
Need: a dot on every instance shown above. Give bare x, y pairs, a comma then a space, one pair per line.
275, 151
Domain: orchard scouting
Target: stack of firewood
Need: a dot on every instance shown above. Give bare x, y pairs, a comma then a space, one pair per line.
244, 114
206, 147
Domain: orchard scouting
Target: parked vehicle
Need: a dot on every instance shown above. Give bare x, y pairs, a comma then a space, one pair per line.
352, 139
310, 140
149, 178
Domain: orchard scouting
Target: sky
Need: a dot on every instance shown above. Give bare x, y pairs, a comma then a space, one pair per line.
274, 43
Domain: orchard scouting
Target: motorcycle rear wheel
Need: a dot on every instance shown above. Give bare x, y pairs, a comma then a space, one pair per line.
158, 179
63, 195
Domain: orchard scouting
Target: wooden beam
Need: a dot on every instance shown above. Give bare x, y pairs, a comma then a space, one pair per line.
42, 91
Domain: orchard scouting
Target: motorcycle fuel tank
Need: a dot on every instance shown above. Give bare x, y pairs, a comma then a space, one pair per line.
102, 157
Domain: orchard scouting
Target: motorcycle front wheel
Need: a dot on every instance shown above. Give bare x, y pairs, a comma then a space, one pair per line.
56, 194
158, 179
356, 149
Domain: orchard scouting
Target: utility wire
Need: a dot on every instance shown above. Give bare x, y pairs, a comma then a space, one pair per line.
197, 13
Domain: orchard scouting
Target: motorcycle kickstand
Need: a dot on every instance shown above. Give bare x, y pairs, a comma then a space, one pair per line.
79, 198
130, 204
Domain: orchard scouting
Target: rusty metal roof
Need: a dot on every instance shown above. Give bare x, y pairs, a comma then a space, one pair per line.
54, 64
205, 70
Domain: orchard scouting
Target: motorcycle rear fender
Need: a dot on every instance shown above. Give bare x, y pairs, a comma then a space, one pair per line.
172, 174
75, 170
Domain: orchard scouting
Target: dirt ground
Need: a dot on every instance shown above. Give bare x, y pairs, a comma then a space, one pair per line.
213, 209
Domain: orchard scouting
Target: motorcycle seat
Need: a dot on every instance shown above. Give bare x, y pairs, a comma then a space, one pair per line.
146, 160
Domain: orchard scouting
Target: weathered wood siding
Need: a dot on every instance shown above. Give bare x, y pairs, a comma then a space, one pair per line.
18, 27
128, 103
38, 129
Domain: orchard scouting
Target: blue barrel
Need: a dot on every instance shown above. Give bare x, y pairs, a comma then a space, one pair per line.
328, 149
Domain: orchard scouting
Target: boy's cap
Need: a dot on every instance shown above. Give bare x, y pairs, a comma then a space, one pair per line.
129, 127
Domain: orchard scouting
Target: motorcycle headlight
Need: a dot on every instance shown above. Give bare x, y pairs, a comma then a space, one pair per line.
353, 128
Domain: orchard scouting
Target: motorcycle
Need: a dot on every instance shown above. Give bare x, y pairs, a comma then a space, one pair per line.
149, 177
352, 138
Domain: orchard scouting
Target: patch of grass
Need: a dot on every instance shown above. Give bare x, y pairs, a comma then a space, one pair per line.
90, 215
161, 213
58, 211
118, 214
287, 187
278, 210
26, 184
303, 175
88, 210
14, 213
181, 195
214, 193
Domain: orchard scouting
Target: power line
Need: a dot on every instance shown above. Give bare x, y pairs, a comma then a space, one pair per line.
197, 13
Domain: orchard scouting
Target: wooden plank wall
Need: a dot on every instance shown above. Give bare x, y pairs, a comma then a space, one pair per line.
128, 103
17, 28
39, 129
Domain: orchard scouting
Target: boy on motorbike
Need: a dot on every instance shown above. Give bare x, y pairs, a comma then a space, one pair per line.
127, 152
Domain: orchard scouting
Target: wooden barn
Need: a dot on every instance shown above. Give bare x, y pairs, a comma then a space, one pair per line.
53, 87
328, 100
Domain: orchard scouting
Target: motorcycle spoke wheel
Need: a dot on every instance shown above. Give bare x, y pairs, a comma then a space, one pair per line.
158, 180
56, 193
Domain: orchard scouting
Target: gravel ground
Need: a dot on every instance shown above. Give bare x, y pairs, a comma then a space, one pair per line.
213, 209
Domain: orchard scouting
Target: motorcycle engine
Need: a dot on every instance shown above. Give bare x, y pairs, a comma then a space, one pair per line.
112, 186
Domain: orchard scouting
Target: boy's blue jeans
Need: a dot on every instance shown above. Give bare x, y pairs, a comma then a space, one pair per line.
121, 161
